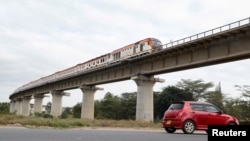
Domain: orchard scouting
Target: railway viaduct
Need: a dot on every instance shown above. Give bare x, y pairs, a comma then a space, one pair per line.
227, 43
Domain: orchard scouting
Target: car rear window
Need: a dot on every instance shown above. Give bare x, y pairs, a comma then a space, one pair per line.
176, 106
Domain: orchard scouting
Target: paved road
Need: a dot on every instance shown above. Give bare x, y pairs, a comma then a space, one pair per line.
100, 134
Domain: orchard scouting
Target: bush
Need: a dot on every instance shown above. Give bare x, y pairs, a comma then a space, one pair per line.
64, 115
244, 122
43, 114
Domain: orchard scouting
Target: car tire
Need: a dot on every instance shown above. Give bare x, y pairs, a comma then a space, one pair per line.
188, 127
232, 123
170, 130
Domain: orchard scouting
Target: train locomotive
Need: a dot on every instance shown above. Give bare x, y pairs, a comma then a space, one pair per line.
139, 48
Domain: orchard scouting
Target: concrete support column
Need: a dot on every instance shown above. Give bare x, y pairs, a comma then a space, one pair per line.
56, 107
144, 103
26, 106
12, 106
18, 106
38, 103
88, 101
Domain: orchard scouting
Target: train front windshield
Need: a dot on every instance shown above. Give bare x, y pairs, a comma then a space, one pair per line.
157, 43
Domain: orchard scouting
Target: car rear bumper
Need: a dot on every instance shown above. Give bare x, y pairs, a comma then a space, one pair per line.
173, 123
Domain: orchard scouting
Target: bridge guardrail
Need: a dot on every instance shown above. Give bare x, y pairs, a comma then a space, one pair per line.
208, 33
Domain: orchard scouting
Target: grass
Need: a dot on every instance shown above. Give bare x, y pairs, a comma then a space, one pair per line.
38, 122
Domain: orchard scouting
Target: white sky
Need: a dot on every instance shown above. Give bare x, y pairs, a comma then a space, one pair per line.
40, 37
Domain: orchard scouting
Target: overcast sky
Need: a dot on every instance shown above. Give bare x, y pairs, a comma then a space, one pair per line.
40, 37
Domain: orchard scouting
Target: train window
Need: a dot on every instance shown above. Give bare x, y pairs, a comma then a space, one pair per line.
141, 47
134, 50
117, 55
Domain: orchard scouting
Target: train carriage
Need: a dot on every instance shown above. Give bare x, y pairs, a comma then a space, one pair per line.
136, 49
139, 48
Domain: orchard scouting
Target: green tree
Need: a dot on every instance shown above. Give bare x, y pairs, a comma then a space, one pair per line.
166, 97
48, 108
245, 91
238, 108
197, 87
97, 111
4, 107
244, 107
216, 97
110, 107
230, 107
128, 105
77, 109
66, 112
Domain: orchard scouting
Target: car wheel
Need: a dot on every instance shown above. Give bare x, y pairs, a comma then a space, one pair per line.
231, 123
170, 130
188, 127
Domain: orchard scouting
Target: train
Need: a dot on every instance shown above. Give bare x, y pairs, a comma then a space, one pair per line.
136, 49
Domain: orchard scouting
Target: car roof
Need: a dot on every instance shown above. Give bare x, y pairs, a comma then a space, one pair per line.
194, 102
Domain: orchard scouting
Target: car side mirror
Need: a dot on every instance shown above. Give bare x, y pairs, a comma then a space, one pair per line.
220, 112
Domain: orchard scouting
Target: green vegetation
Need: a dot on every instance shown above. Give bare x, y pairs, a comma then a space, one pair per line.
37, 122
4, 107
119, 111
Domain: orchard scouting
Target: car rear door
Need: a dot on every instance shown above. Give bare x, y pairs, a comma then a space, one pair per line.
199, 115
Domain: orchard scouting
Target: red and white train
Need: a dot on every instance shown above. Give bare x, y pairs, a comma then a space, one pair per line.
140, 48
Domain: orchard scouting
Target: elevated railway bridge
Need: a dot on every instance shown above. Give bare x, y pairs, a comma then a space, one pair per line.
223, 44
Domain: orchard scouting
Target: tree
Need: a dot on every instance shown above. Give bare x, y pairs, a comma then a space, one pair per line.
238, 108
216, 97
110, 107
66, 112
48, 107
114, 107
128, 105
169, 94
97, 111
197, 87
77, 109
4, 107
245, 91
244, 105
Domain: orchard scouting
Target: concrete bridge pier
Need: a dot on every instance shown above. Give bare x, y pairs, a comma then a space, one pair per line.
88, 101
12, 106
38, 103
56, 107
144, 103
18, 106
26, 105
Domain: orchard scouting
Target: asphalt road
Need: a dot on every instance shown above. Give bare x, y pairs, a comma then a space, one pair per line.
99, 134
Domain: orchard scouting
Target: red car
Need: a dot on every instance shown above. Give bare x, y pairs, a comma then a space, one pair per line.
193, 115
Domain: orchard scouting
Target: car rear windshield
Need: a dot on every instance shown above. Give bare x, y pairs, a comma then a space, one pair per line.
176, 106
